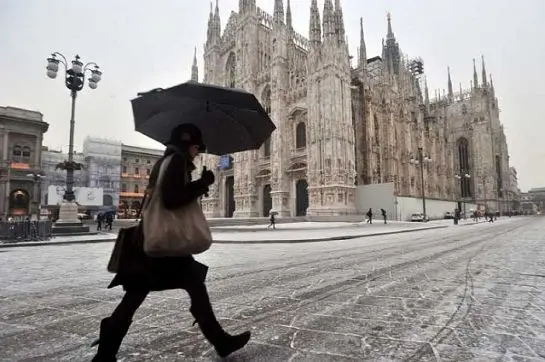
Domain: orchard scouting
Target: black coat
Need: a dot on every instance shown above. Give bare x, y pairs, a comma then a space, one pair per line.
139, 271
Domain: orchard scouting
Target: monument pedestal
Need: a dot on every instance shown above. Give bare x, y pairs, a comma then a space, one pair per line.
68, 222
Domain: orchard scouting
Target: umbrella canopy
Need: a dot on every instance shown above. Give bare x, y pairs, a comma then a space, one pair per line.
230, 120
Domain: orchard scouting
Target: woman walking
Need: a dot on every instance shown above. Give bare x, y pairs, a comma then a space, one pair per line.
164, 273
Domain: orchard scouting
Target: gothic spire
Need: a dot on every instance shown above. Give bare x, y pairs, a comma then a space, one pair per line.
484, 71
339, 22
210, 24
315, 28
450, 91
278, 13
246, 5
217, 21
288, 16
426, 93
491, 83
328, 20
461, 91
362, 62
475, 78
390, 34
418, 90
195, 68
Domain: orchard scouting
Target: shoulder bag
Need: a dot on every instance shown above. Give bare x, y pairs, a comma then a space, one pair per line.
180, 232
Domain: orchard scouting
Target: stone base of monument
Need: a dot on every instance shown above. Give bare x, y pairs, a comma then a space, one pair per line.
68, 222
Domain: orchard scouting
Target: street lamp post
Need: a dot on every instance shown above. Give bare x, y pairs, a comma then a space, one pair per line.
419, 161
463, 175
74, 80
37, 178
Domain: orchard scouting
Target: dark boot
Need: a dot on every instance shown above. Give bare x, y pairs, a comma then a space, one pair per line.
110, 338
224, 343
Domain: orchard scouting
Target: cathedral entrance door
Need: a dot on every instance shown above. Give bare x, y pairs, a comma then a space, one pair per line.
229, 196
301, 198
267, 200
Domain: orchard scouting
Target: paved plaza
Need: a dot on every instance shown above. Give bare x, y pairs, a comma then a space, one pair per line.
450, 294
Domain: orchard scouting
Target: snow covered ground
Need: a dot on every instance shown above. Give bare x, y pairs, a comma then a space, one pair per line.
455, 294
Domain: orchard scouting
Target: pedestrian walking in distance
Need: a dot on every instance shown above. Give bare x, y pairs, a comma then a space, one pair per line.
383, 214
99, 222
370, 216
272, 221
164, 273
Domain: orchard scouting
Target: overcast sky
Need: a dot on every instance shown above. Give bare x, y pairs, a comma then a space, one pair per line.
142, 45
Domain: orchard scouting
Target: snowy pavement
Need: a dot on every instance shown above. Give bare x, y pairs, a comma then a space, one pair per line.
453, 294
288, 232
312, 231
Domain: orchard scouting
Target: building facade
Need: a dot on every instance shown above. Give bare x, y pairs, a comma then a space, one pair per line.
21, 135
513, 193
341, 125
136, 165
102, 159
538, 197
528, 205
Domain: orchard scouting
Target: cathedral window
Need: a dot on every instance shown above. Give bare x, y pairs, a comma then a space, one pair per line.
136, 188
463, 162
266, 101
301, 135
376, 130
499, 182
267, 148
231, 70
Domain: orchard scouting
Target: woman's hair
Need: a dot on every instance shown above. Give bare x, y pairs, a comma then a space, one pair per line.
186, 135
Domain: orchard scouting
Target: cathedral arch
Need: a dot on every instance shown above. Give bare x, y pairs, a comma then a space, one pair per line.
301, 135
230, 70
463, 165
301, 197
267, 200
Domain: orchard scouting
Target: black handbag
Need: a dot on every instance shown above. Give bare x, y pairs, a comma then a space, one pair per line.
129, 243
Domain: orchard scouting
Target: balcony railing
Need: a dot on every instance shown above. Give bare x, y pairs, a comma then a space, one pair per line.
17, 231
134, 175
22, 165
131, 194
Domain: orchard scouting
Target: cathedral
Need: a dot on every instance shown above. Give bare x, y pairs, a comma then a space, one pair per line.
342, 124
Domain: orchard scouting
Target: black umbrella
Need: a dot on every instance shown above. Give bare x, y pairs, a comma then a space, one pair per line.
231, 120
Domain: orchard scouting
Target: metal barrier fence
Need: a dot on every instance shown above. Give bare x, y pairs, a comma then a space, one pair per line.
15, 231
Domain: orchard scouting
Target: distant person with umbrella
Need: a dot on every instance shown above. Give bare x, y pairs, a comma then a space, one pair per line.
99, 221
185, 118
370, 216
383, 212
272, 220
109, 221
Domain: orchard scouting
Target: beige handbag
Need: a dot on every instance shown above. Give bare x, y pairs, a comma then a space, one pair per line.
179, 232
